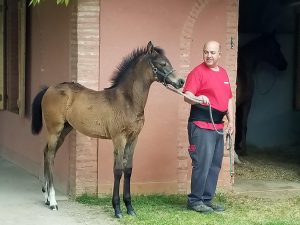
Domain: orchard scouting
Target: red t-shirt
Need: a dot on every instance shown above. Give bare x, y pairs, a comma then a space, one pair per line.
214, 84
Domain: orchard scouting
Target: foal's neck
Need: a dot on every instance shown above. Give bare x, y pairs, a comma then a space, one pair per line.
137, 85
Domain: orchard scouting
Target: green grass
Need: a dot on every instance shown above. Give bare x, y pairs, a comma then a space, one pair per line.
171, 209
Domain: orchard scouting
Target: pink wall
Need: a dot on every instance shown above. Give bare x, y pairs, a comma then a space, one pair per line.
125, 27
170, 24
48, 63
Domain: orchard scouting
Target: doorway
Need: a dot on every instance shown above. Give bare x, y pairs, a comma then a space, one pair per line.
273, 143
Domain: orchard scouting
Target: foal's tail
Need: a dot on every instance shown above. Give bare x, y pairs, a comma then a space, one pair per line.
37, 117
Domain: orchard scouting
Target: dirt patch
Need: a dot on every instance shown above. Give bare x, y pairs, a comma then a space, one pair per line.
270, 164
269, 173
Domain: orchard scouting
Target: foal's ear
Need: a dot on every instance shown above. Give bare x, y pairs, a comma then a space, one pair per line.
150, 48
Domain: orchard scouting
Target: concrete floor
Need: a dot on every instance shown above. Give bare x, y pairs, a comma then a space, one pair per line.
21, 202
273, 189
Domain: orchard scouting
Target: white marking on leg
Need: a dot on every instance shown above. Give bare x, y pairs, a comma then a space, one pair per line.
52, 198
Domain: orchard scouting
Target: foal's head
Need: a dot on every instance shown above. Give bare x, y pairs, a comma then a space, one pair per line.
162, 69
153, 59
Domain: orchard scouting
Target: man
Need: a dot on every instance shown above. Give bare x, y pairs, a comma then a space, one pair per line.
208, 84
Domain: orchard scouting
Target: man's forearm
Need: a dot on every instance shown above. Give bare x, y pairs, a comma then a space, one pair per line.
188, 100
229, 113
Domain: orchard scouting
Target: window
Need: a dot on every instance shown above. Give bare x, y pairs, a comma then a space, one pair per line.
12, 55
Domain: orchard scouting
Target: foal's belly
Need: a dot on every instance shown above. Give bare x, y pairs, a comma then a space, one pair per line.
98, 129
91, 129
91, 125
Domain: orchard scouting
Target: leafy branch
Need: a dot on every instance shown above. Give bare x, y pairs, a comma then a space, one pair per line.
36, 2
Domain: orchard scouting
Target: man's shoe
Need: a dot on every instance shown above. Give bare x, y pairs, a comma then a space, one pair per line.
215, 207
201, 207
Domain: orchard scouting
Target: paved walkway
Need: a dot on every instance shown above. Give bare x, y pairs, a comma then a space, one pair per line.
21, 202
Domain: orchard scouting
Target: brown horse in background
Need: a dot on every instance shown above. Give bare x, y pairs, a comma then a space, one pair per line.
115, 113
265, 48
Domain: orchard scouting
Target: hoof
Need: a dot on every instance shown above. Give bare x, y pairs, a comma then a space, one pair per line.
131, 212
54, 207
118, 215
47, 202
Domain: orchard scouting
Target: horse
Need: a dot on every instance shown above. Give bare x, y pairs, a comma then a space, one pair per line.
266, 49
115, 113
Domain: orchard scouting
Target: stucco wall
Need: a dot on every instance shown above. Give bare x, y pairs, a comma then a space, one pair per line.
63, 46
161, 152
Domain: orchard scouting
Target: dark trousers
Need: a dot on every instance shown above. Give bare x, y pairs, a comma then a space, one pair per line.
206, 151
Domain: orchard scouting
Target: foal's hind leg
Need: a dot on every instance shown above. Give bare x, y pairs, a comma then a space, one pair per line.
49, 164
128, 155
45, 188
54, 142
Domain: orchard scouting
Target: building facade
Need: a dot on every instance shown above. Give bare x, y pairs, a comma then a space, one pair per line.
85, 42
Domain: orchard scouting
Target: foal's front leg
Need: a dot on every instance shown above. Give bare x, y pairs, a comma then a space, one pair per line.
119, 146
126, 192
128, 155
116, 196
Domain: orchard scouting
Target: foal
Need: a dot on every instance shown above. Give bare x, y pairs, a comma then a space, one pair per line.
115, 113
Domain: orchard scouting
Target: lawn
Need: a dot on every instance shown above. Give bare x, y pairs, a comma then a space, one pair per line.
171, 209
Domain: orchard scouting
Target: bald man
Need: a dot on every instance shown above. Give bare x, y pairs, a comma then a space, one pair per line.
207, 83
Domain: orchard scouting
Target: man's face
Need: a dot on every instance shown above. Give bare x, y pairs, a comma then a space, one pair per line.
211, 54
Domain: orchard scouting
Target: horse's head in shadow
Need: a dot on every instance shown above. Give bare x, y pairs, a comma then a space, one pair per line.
271, 52
263, 49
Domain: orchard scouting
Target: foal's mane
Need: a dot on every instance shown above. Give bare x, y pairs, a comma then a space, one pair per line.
122, 70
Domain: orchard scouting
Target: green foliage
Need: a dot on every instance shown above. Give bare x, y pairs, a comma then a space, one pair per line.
171, 209
36, 2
